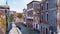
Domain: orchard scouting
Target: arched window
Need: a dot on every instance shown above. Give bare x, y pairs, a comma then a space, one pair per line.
52, 32
47, 5
41, 16
42, 7
36, 25
6, 11
46, 16
46, 31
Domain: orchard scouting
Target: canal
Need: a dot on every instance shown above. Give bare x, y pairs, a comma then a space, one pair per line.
26, 30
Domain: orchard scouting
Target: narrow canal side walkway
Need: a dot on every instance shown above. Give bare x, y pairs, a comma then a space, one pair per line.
15, 30
26, 30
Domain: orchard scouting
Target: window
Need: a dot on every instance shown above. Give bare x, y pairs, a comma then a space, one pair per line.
47, 5
33, 25
36, 26
46, 31
41, 28
52, 32
5, 11
42, 16
47, 16
41, 7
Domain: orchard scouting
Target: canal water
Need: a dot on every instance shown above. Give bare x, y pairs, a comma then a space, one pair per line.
26, 30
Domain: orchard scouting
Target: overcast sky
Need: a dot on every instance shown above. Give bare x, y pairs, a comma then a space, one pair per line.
16, 5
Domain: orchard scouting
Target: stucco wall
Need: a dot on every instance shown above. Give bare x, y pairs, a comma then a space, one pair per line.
52, 15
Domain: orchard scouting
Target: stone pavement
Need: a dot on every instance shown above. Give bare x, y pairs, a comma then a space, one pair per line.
14, 30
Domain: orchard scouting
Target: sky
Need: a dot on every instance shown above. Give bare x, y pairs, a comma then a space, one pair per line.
16, 5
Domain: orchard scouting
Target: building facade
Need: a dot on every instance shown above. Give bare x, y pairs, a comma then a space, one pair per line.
13, 13
24, 15
19, 18
11, 18
33, 15
2, 23
5, 9
58, 17
48, 12
42, 15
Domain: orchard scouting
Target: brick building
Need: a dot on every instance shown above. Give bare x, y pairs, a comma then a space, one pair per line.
32, 17
43, 16
24, 15
48, 17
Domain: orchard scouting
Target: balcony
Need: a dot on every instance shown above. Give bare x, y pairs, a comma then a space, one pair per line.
30, 9
29, 17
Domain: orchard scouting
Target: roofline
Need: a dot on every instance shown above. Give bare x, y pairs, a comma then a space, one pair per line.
32, 2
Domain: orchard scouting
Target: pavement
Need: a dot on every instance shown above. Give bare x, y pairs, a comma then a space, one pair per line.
26, 30
14, 30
